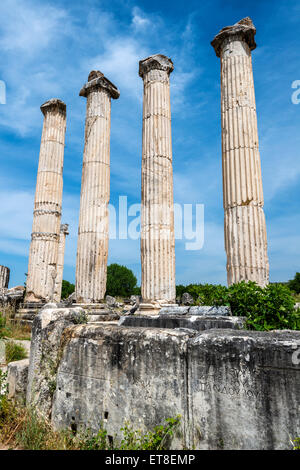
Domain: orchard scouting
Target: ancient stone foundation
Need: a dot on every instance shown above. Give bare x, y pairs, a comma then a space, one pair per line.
157, 213
245, 227
4, 277
234, 389
93, 230
43, 252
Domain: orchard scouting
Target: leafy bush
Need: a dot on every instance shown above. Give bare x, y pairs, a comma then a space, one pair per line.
67, 289
203, 294
120, 281
268, 308
14, 352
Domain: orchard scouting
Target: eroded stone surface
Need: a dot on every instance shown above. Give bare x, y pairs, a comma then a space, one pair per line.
233, 389
193, 322
196, 310
45, 353
17, 378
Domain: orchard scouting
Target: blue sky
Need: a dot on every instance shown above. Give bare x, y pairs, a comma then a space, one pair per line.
48, 49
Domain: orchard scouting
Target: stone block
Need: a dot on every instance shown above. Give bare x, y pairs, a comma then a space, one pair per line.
47, 329
174, 310
17, 377
193, 322
207, 310
233, 389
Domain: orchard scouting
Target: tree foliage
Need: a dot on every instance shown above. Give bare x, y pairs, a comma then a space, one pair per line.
120, 281
294, 284
67, 289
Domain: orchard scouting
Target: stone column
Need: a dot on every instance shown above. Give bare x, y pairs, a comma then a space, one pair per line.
4, 277
60, 261
157, 214
47, 205
244, 226
93, 230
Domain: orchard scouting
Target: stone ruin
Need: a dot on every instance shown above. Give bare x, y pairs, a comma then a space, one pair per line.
9, 297
234, 389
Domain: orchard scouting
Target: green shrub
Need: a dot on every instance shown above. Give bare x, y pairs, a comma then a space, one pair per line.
14, 352
67, 289
203, 294
268, 308
158, 439
120, 281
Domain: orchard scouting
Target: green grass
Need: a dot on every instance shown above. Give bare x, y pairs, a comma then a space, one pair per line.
14, 352
10, 328
25, 429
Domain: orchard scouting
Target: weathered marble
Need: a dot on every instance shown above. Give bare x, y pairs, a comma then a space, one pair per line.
183, 322
202, 310
17, 377
157, 212
233, 389
93, 230
64, 231
45, 353
43, 252
245, 227
4, 277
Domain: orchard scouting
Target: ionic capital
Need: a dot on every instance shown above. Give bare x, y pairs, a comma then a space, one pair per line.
243, 30
155, 62
96, 80
52, 104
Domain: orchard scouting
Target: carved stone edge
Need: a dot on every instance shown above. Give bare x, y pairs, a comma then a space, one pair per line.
100, 82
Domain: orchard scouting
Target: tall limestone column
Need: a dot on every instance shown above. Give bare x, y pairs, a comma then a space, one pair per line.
157, 213
47, 205
244, 226
93, 230
4, 277
64, 231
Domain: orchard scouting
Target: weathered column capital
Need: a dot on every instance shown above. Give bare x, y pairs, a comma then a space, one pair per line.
243, 30
64, 228
155, 62
96, 80
50, 105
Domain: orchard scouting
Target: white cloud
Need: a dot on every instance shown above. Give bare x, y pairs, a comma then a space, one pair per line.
139, 20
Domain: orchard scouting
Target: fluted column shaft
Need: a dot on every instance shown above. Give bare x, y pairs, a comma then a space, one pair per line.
47, 205
60, 262
4, 277
157, 214
244, 221
93, 230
